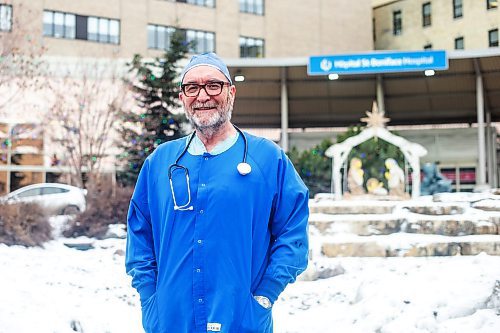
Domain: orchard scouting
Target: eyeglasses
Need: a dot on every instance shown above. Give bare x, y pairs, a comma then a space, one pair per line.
213, 88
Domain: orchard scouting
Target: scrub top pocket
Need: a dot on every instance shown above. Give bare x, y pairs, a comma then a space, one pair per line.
256, 318
150, 315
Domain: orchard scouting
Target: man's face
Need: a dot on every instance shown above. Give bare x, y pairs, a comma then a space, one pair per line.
206, 112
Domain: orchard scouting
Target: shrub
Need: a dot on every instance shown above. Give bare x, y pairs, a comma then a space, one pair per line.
314, 167
103, 208
24, 224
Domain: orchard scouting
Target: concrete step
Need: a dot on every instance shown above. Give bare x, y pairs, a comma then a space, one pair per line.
423, 206
488, 205
360, 224
407, 245
384, 224
451, 225
467, 226
435, 209
352, 207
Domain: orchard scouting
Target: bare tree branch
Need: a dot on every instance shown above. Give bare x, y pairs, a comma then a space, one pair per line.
20, 57
83, 116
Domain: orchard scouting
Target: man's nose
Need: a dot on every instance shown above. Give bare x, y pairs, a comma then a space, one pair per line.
203, 96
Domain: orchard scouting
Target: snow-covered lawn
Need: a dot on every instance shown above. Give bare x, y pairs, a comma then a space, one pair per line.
62, 290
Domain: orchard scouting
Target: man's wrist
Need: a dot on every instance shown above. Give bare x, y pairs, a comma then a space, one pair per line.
263, 301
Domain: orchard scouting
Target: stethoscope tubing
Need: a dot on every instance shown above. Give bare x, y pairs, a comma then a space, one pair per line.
243, 168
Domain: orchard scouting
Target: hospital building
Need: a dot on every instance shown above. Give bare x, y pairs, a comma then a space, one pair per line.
268, 43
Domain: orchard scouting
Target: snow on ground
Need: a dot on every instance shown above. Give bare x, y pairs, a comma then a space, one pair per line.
58, 289
62, 290
54, 289
395, 295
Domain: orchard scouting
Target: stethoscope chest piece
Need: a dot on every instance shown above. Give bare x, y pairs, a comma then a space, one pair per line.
244, 168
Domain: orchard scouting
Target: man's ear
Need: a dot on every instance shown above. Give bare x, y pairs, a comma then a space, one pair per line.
232, 90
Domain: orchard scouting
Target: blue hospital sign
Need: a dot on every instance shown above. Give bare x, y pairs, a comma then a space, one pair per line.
377, 62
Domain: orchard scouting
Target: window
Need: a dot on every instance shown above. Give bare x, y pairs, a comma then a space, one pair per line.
493, 38
397, 23
71, 26
457, 8
374, 31
205, 3
202, 41
59, 25
426, 14
459, 43
159, 36
103, 30
491, 4
5, 18
251, 47
252, 6
29, 193
428, 46
53, 190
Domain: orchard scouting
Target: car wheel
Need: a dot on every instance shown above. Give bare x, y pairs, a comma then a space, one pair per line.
70, 210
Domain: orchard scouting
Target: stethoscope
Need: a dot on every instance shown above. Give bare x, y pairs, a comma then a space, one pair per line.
243, 168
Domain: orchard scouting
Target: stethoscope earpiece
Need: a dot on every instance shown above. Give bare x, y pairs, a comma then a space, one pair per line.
244, 168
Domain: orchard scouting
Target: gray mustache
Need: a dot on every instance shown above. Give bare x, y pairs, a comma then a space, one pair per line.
205, 105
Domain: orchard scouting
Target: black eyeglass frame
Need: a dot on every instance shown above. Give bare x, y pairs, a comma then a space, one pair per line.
221, 85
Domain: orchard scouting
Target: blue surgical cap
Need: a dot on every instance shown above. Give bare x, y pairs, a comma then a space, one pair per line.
207, 59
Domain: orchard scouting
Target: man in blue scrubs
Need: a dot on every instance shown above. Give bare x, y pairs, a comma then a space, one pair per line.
217, 225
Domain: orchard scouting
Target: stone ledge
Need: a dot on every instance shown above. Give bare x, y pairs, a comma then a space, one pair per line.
436, 209
352, 207
384, 224
363, 225
451, 227
404, 245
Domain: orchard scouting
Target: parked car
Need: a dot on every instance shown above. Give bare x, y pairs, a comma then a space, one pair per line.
54, 197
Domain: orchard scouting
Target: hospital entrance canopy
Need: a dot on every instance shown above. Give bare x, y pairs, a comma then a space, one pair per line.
273, 87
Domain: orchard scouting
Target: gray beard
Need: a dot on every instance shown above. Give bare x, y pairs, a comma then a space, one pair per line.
215, 124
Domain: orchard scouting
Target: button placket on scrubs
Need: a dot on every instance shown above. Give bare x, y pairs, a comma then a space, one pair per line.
199, 302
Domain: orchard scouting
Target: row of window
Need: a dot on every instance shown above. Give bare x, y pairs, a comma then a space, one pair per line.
460, 42
201, 41
205, 3
246, 6
105, 30
397, 22
251, 47
458, 7
252, 6
427, 14
71, 26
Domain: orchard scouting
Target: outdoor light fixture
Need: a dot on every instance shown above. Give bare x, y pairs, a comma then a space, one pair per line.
333, 76
239, 77
429, 72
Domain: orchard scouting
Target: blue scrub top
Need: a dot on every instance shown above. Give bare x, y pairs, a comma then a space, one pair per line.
197, 270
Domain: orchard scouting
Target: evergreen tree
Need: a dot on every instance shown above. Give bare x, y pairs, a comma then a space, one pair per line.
156, 90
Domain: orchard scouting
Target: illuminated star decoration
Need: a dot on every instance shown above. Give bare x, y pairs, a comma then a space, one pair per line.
375, 118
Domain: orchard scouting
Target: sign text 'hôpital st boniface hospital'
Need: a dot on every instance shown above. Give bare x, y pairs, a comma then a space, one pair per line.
377, 62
